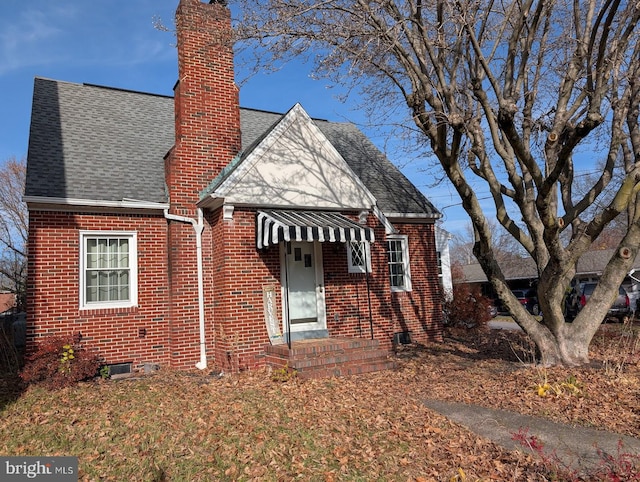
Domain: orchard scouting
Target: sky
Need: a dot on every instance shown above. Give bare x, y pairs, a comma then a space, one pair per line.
114, 43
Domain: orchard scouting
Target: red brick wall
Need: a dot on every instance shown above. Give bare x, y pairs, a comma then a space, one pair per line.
238, 316
235, 330
53, 292
419, 310
354, 303
239, 279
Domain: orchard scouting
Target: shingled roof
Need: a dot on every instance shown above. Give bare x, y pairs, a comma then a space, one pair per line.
91, 143
592, 263
96, 143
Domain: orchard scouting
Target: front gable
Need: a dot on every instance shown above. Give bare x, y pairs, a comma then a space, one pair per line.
293, 166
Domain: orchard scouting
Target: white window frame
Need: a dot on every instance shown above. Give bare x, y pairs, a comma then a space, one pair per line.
359, 268
133, 269
404, 247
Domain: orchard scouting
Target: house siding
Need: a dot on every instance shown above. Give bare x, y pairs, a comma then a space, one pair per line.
238, 326
348, 295
419, 311
164, 327
239, 278
134, 335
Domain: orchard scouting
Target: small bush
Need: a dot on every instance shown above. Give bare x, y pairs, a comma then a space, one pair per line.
59, 362
9, 355
619, 346
556, 468
467, 308
623, 466
283, 374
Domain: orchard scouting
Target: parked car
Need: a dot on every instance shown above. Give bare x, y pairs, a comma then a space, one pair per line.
528, 299
620, 308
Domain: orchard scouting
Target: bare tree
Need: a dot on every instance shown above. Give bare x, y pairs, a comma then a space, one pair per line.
505, 248
461, 251
13, 229
515, 94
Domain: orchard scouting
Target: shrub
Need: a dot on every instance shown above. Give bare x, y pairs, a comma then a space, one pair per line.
619, 347
9, 356
283, 374
467, 307
623, 466
59, 362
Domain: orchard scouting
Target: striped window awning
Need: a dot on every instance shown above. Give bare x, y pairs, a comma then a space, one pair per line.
274, 227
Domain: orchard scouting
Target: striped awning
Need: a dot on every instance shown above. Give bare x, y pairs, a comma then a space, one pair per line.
273, 227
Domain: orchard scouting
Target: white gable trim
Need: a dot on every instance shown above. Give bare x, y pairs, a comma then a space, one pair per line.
295, 115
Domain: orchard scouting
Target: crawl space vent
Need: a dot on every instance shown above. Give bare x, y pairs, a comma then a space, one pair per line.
119, 369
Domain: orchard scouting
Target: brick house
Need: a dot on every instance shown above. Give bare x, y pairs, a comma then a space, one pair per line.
186, 230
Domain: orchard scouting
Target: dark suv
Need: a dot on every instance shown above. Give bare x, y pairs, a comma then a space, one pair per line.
619, 309
528, 299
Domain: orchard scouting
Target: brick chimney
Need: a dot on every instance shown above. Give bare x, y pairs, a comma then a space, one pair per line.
206, 102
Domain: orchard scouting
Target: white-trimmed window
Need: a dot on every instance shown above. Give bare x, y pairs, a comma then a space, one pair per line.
108, 269
359, 256
399, 274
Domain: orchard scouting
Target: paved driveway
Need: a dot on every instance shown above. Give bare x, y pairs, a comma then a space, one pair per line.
503, 325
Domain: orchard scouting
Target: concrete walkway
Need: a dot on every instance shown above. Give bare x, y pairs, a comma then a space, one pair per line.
575, 446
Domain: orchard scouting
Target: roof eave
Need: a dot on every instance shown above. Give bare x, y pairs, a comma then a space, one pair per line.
211, 201
42, 203
413, 217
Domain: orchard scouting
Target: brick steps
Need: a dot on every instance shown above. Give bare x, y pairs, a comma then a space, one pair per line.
329, 357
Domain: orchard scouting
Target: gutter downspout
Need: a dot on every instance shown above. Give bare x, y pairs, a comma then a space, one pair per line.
198, 227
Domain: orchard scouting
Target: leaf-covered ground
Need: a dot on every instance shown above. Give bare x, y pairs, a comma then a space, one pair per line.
193, 427
495, 369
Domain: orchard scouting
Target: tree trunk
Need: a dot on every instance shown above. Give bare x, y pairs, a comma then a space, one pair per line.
560, 342
567, 347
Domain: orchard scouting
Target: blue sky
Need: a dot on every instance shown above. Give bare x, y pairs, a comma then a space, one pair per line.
114, 43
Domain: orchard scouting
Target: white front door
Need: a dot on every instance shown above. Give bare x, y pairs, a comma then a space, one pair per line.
303, 288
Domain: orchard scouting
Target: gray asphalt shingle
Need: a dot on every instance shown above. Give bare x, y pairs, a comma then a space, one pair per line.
98, 143
89, 142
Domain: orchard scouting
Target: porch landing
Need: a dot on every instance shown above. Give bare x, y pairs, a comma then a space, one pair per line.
328, 357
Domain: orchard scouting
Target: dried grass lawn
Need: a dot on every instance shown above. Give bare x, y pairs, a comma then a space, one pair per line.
192, 427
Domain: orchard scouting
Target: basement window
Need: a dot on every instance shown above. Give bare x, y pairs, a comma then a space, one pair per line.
108, 270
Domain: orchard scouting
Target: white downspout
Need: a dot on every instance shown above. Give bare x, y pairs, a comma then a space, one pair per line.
198, 227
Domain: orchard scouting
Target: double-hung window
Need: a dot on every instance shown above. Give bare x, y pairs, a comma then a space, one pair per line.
359, 256
108, 269
399, 274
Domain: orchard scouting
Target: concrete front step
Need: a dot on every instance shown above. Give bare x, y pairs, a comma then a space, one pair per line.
329, 357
